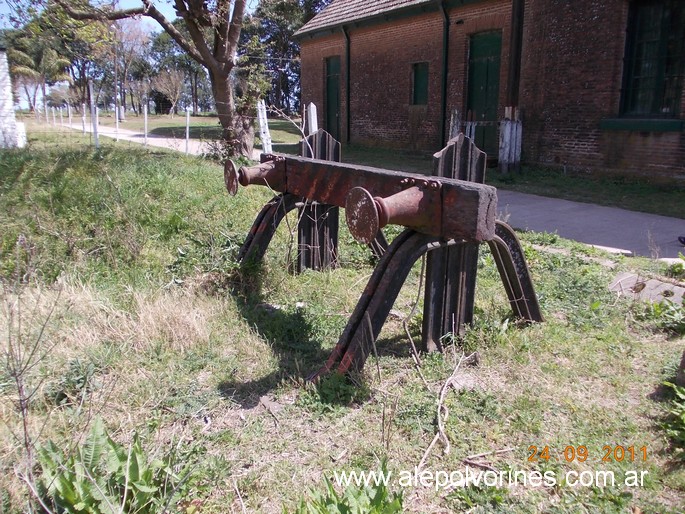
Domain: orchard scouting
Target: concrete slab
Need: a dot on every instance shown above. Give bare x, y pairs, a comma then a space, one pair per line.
648, 289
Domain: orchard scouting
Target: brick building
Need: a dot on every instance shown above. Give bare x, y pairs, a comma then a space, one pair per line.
598, 84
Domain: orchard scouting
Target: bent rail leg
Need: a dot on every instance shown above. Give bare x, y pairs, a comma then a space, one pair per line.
376, 301
317, 237
450, 292
512, 267
264, 227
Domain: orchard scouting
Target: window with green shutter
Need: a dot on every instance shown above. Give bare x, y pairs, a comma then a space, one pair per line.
419, 94
654, 59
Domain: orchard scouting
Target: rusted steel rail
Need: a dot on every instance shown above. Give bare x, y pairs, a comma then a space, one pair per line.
449, 208
439, 213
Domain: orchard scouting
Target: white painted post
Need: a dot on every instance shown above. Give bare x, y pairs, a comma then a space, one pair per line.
187, 130
471, 129
69, 113
54, 120
312, 120
61, 117
455, 124
510, 141
83, 117
21, 135
145, 123
93, 114
116, 122
264, 133
518, 136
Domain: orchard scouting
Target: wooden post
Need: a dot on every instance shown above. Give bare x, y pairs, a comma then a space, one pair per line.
451, 272
187, 131
93, 114
317, 230
145, 123
116, 118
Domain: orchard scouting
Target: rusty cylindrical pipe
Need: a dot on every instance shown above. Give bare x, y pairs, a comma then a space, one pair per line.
366, 215
269, 173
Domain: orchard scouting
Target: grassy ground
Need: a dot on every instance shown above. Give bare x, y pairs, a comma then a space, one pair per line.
119, 268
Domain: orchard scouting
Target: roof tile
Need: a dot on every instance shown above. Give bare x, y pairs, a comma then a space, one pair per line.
340, 12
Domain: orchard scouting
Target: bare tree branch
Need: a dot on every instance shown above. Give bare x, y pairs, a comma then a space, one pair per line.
235, 28
193, 24
147, 9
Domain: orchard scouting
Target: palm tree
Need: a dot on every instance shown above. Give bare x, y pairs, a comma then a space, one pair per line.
36, 60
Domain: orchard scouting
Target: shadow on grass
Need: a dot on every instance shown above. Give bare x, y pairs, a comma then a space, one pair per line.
288, 332
203, 132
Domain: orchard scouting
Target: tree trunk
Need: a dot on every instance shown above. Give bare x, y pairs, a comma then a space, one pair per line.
238, 131
193, 88
31, 102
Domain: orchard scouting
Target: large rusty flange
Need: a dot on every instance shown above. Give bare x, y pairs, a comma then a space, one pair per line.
417, 207
231, 177
361, 213
270, 173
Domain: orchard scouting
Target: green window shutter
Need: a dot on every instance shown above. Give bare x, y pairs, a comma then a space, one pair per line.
419, 83
655, 53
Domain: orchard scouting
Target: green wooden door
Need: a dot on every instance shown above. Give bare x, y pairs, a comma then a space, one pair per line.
483, 89
332, 100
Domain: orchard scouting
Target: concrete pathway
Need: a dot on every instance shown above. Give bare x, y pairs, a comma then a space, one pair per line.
637, 233
194, 147
628, 232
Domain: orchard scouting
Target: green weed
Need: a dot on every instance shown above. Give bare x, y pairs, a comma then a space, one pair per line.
372, 499
333, 392
488, 499
674, 425
666, 315
677, 269
103, 476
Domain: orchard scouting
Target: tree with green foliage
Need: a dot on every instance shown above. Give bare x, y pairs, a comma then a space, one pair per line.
35, 57
167, 54
50, 39
274, 22
214, 33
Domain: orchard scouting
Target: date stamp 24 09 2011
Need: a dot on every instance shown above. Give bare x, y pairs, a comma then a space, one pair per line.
608, 453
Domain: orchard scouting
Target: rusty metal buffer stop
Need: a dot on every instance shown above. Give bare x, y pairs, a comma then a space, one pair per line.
444, 215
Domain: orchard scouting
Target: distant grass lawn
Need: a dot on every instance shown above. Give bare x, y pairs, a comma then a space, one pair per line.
206, 127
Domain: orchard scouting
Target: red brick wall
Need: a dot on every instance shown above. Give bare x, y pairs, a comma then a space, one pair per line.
464, 22
571, 77
313, 62
381, 77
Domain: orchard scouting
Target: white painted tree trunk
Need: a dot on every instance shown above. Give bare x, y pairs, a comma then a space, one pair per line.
8, 122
